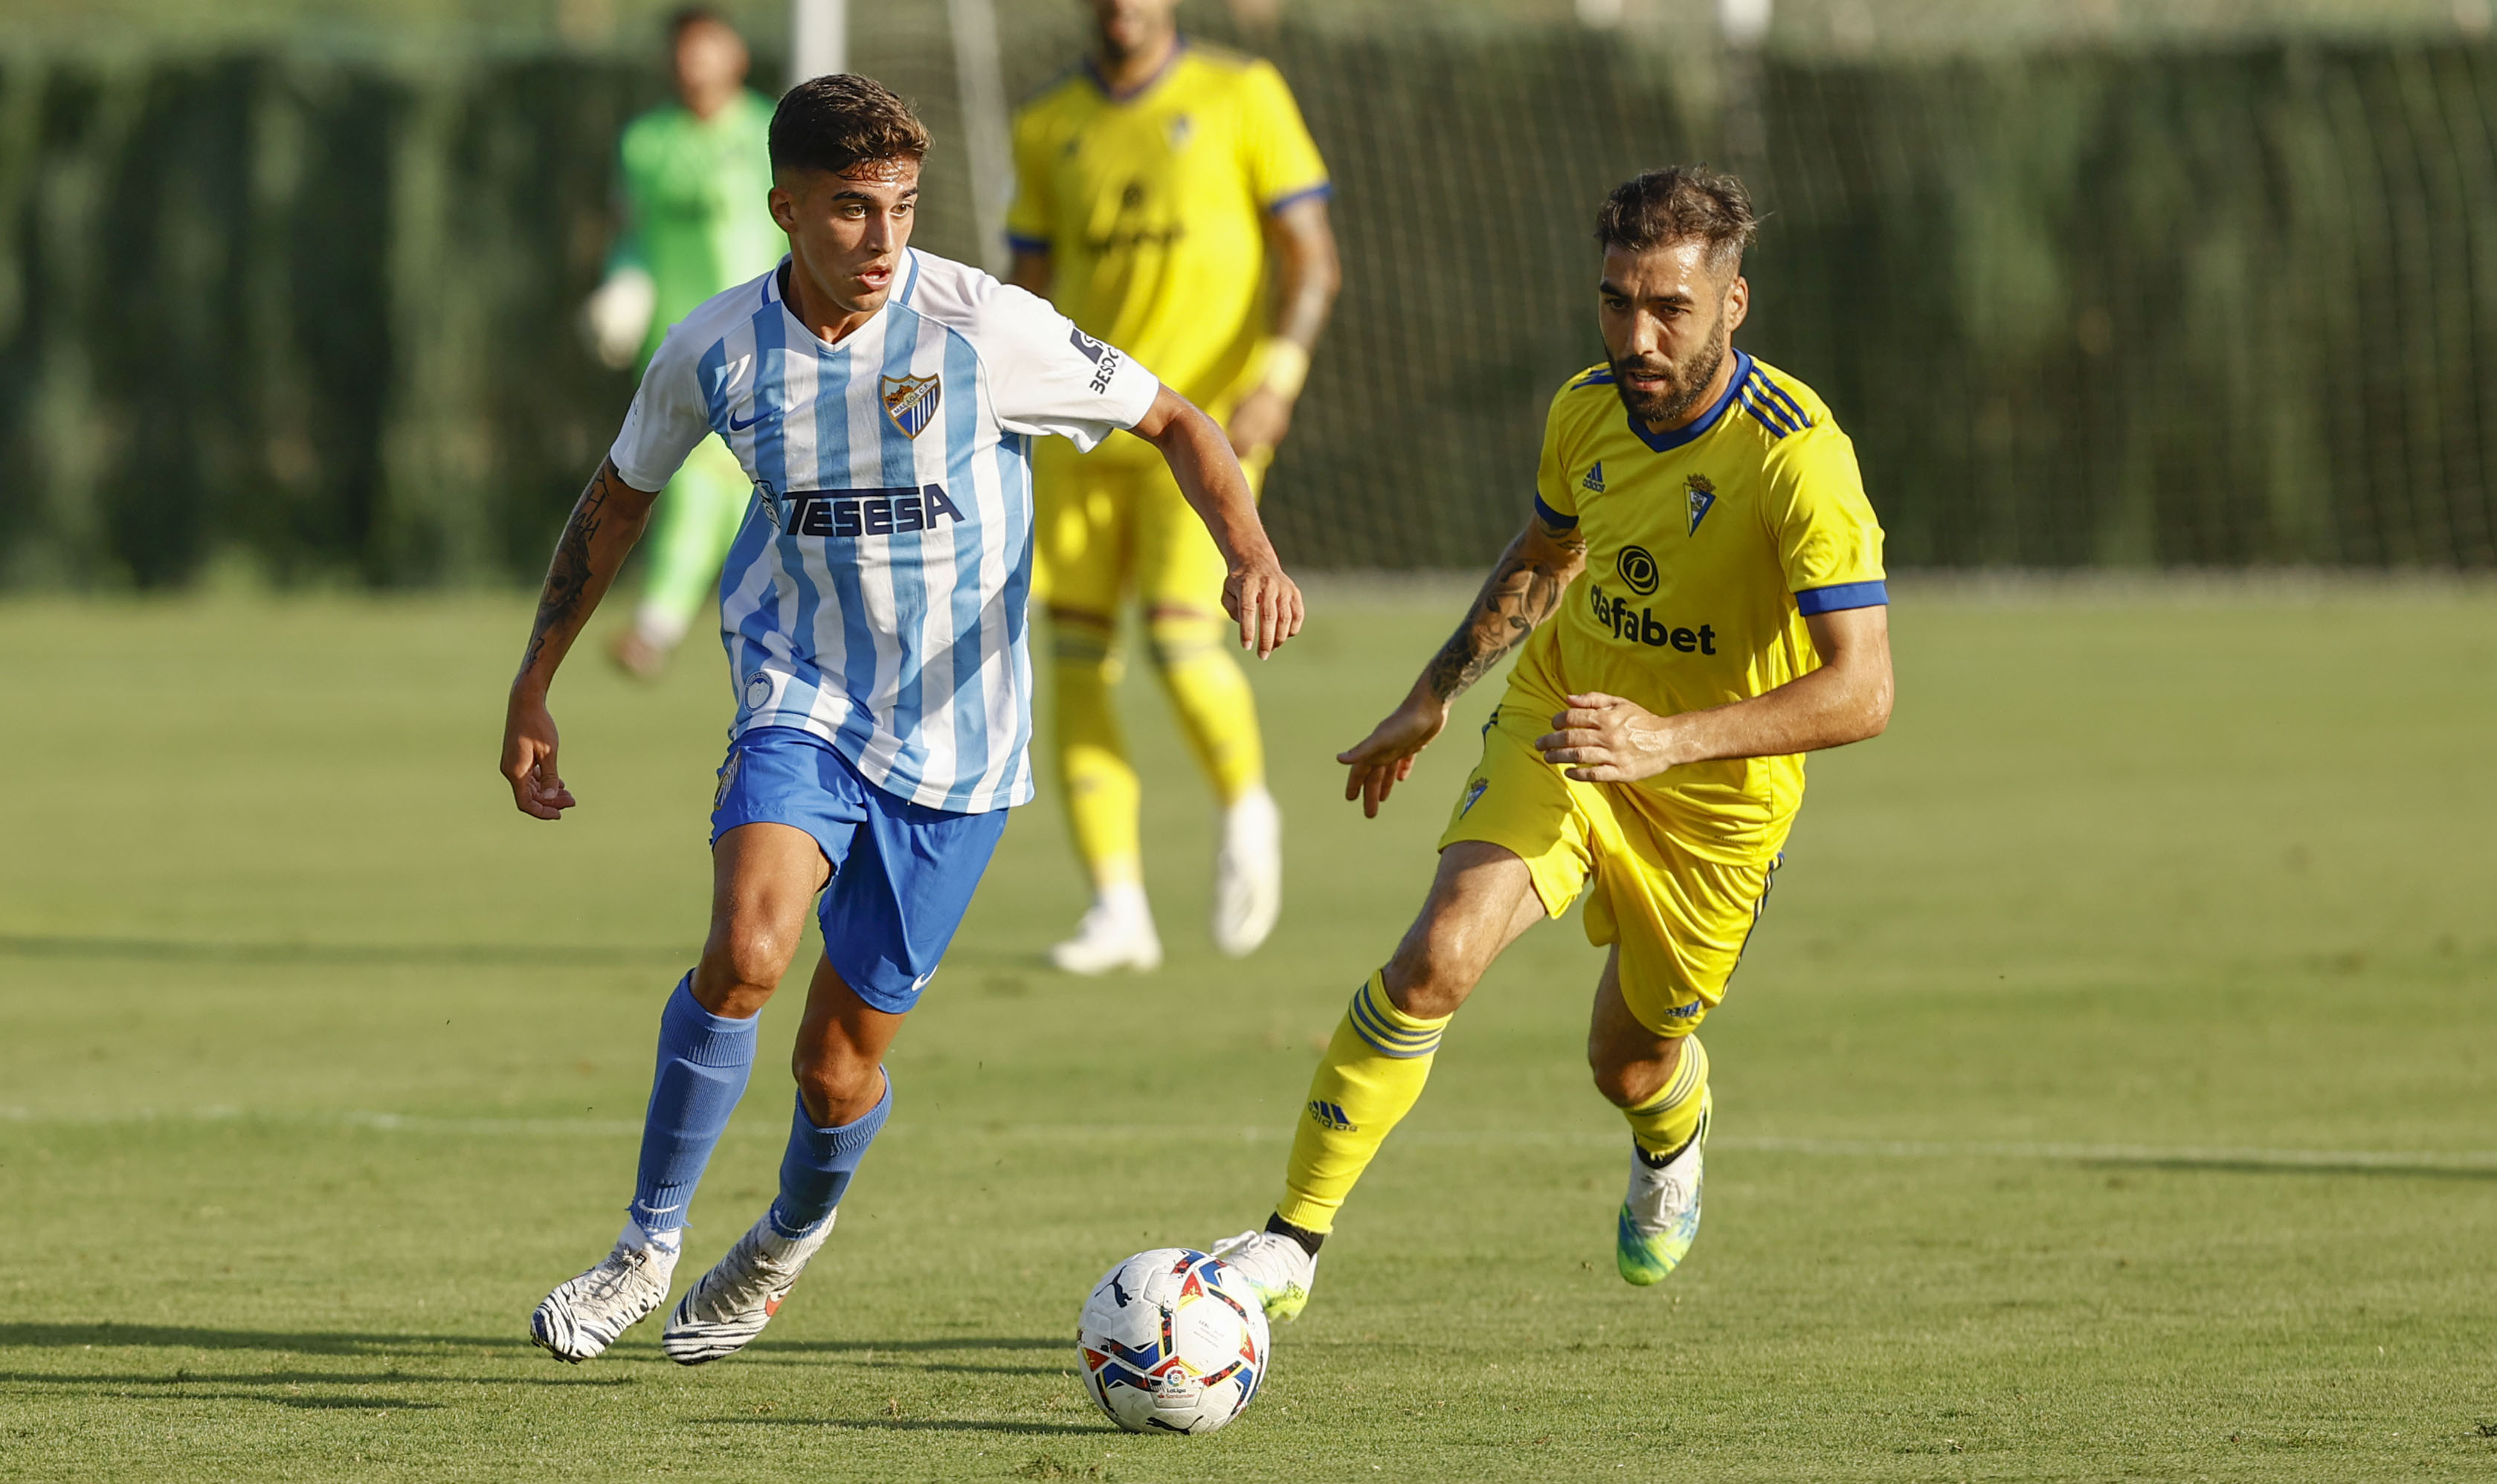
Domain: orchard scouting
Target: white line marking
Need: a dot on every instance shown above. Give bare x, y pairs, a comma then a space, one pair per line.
1490, 1138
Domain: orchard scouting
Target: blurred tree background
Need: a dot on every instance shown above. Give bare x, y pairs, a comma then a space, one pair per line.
289, 286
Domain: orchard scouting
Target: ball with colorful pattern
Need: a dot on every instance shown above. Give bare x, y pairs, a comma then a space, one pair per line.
1172, 1341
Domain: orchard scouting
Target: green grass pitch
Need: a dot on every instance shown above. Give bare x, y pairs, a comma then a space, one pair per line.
2106, 1095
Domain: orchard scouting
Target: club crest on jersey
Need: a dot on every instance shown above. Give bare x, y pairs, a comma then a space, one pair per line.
910, 401
1594, 479
1703, 496
1473, 795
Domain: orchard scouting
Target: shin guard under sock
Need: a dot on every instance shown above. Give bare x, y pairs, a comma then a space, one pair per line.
1369, 1078
703, 1061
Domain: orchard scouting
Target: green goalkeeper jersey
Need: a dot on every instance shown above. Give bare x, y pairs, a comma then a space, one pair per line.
696, 201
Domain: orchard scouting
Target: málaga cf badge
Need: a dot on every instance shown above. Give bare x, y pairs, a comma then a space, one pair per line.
911, 402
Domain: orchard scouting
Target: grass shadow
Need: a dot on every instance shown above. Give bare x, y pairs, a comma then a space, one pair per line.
2221, 1165
188, 1377
326, 1403
193, 951
56, 1336
915, 1366
918, 1346
916, 1425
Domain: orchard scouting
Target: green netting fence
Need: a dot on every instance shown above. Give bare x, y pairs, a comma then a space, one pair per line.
2211, 308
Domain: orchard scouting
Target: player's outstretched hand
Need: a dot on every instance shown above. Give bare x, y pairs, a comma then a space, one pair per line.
529, 744
1603, 738
1266, 603
1385, 757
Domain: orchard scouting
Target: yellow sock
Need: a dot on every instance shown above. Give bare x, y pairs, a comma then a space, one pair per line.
1215, 708
1100, 786
1368, 1080
1665, 1123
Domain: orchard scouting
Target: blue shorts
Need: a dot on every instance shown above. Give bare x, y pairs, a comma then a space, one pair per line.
902, 873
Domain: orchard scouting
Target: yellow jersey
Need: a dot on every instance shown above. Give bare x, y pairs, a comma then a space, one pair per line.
1151, 207
1706, 548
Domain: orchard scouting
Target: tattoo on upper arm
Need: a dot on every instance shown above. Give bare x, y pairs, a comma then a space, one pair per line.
569, 573
1523, 592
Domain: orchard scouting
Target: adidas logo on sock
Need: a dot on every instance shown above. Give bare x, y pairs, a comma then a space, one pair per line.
1330, 1116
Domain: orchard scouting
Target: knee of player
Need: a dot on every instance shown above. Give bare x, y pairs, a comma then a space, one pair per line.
1616, 1078
1083, 642
1178, 637
1429, 981
747, 959
832, 1076
1626, 1073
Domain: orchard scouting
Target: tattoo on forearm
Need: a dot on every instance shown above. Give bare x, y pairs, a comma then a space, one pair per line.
569, 575
1520, 594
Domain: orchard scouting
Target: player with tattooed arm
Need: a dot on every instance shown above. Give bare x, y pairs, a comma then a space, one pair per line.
1699, 597
883, 404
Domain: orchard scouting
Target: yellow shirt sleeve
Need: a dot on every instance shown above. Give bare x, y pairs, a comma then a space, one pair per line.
1556, 499
1031, 221
1827, 538
1280, 158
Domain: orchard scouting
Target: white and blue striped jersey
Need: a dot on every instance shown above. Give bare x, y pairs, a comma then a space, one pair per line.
875, 595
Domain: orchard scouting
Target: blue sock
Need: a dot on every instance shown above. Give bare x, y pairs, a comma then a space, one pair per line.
703, 1061
819, 1165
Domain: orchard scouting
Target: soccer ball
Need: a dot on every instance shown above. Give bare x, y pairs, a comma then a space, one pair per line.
1172, 1341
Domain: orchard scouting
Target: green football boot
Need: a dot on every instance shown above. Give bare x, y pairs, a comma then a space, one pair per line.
1661, 1216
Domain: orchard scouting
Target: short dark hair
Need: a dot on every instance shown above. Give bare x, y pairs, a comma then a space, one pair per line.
685, 18
1677, 204
841, 121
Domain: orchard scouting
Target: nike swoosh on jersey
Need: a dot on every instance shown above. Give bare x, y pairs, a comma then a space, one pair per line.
736, 427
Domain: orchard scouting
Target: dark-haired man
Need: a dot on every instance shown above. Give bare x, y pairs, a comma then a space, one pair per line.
1648, 750
694, 176
884, 403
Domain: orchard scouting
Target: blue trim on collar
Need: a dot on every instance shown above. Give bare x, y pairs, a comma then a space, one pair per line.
913, 282
1842, 596
1092, 70
1027, 244
1666, 443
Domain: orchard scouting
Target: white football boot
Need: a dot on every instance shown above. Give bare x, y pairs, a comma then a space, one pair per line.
1279, 1270
1249, 874
1117, 933
729, 1305
1659, 1216
586, 1315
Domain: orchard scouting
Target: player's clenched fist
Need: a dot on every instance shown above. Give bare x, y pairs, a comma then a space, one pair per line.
1266, 603
529, 744
1603, 738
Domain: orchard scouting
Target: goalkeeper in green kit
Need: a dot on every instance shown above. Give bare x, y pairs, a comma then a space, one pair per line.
696, 182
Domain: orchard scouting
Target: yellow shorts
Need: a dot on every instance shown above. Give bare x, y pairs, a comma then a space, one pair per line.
1681, 918
1111, 525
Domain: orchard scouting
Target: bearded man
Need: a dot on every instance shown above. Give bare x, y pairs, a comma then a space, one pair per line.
1701, 532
